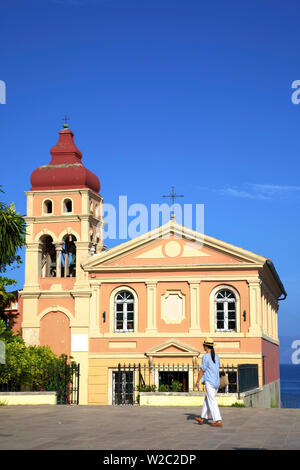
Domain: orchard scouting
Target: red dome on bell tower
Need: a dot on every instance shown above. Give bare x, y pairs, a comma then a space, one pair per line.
65, 171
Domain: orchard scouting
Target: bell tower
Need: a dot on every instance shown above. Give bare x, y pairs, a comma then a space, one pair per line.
64, 217
64, 228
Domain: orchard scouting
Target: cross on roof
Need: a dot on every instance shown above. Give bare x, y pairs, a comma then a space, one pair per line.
173, 196
66, 125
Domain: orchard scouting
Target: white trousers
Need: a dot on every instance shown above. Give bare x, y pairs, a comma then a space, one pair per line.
210, 405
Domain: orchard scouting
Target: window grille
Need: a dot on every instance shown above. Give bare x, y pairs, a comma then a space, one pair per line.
124, 312
225, 310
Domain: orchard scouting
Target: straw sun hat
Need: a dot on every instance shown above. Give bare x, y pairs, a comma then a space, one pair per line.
209, 342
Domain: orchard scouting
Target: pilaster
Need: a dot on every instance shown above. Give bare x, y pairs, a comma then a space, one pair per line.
195, 307
151, 307
95, 311
255, 308
30, 324
33, 255
82, 252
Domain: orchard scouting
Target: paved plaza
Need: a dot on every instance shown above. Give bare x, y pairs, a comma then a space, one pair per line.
151, 428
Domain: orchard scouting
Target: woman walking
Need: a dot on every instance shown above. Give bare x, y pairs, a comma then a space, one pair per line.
209, 375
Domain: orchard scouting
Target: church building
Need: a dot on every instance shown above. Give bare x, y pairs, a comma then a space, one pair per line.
152, 299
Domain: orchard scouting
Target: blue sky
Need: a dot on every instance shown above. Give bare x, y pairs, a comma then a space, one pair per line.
165, 92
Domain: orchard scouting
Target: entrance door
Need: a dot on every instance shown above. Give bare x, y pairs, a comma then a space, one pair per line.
123, 388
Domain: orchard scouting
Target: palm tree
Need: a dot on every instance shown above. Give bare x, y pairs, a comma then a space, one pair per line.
12, 238
12, 235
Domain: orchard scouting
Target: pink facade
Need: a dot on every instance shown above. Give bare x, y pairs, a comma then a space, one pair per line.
182, 286
270, 353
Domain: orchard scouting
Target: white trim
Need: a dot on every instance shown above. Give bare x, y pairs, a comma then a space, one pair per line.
178, 267
163, 300
212, 314
69, 231
246, 257
43, 207
112, 310
64, 212
225, 313
193, 280
46, 231
56, 308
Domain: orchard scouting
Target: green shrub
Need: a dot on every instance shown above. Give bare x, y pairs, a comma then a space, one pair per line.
176, 386
33, 368
238, 405
146, 388
164, 388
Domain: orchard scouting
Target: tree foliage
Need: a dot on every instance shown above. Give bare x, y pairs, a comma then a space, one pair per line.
12, 235
12, 238
34, 368
7, 336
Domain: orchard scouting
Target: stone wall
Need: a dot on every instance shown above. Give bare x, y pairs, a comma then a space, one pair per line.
267, 396
28, 398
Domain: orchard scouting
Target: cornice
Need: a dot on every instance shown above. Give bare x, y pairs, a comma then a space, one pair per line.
47, 294
173, 228
30, 295
47, 192
63, 218
54, 218
129, 355
271, 340
190, 280
180, 267
82, 294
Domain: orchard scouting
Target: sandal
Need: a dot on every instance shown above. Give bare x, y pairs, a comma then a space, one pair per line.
199, 420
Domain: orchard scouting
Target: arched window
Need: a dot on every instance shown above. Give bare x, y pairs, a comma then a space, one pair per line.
124, 312
47, 209
67, 205
225, 310
48, 257
69, 256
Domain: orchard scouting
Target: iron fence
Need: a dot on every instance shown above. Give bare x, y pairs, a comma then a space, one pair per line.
247, 377
131, 379
62, 378
290, 401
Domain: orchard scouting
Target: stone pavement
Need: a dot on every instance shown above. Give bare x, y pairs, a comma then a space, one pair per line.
151, 428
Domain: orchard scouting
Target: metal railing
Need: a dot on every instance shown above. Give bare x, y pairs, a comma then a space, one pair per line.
63, 379
131, 379
290, 401
247, 377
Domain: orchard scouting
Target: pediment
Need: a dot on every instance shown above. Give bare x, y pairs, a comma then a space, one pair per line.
171, 245
172, 348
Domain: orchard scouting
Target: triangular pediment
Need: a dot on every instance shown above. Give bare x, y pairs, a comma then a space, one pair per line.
172, 348
171, 245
